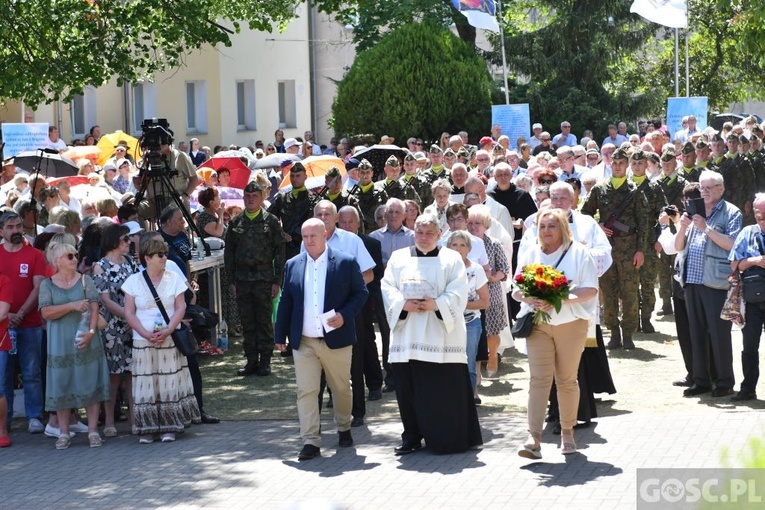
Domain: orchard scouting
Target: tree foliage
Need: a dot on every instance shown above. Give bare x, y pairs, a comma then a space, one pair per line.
52, 49
419, 80
747, 24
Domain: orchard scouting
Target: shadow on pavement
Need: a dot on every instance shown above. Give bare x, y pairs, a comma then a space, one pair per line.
424, 461
573, 470
333, 462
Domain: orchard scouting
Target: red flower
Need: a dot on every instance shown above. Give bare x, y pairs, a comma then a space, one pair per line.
519, 278
541, 285
540, 271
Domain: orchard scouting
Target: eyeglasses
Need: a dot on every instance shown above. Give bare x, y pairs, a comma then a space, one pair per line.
546, 181
160, 254
125, 238
270, 149
708, 188
71, 256
418, 143
483, 160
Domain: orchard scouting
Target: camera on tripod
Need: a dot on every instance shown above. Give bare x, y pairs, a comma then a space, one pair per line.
156, 132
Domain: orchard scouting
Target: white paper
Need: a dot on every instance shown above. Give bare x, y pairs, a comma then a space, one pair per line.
325, 317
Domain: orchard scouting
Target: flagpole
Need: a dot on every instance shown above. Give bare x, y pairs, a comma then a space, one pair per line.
504, 57
687, 59
677, 64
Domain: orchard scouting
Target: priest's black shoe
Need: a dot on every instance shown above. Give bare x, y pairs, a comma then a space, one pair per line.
722, 392
357, 421
696, 390
686, 383
345, 439
308, 452
374, 395
209, 418
407, 447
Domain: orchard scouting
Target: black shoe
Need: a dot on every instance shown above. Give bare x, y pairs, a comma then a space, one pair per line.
556, 428
628, 343
616, 338
374, 395
388, 388
264, 369
722, 392
345, 439
647, 326
477, 401
665, 310
308, 452
743, 396
686, 383
583, 425
696, 390
209, 418
251, 368
286, 353
357, 421
330, 404
407, 447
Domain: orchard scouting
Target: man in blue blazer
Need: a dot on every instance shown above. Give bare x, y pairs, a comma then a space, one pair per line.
316, 282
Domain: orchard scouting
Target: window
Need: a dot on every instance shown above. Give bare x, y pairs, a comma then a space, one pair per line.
144, 104
287, 107
196, 107
83, 112
245, 105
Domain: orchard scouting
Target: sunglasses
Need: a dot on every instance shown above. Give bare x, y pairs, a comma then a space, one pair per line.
160, 254
71, 256
125, 238
546, 181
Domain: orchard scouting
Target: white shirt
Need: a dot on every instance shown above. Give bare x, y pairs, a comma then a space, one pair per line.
350, 244
72, 205
313, 295
477, 248
58, 145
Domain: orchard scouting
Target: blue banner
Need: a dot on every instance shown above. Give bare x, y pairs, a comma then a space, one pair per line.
679, 107
514, 119
24, 137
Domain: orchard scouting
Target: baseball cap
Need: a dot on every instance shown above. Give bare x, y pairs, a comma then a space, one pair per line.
291, 142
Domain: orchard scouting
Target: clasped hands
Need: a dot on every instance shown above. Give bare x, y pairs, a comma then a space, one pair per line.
420, 305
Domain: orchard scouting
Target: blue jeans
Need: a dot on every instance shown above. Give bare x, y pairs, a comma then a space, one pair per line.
29, 346
473, 336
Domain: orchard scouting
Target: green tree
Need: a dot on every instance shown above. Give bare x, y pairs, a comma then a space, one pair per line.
419, 80
51, 49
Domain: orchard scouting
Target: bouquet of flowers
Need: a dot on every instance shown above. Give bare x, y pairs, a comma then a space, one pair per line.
544, 283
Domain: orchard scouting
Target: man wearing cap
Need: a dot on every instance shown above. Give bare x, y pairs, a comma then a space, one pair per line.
293, 208
418, 182
534, 141
370, 197
619, 204
739, 178
486, 143
352, 174
449, 159
335, 192
292, 146
565, 137
197, 156
656, 203
254, 254
391, 184
8, 172
437, 168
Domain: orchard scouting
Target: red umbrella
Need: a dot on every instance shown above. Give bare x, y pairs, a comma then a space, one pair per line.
73, 180
240, 174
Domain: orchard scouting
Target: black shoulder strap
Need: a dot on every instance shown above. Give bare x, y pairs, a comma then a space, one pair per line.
759, 243
562, 255
156, 297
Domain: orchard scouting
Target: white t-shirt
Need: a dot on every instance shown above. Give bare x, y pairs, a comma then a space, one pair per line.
476, 277
145, 308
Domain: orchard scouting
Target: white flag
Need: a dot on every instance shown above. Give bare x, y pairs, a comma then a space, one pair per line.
479, 13
670, 13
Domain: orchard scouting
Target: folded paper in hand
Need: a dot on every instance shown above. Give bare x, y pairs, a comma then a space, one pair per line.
418, 289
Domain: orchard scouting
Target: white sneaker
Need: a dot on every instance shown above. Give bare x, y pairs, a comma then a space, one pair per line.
78, 427
35, 426
52, 431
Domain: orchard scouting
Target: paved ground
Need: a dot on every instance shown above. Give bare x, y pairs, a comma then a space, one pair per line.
239, 464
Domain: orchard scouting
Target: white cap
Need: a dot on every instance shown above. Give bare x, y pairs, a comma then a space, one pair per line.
134, 227
290, 142
536, 126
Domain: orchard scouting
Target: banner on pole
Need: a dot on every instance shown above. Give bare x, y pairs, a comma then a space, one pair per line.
479, 13
679, 107
514, 119
24, 137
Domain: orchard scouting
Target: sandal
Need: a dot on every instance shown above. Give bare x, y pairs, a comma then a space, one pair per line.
532, 449
95, 440
146, 439
169, 437
63, 442
110, 432
567, 445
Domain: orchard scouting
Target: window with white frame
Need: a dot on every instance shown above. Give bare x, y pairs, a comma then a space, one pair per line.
144, 104
83, 112
245, 105
196, 106
287, 106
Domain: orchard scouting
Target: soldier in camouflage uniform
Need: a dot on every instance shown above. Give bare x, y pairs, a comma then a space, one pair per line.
703, 157
739, 179
417, 182
672, 183
650, 269
757, 160
688, 169
391, 184
437, 168
335, 194
254, 256
293, 208
370, 197
628, 236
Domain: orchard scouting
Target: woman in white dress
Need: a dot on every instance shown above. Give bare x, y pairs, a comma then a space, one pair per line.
163, 397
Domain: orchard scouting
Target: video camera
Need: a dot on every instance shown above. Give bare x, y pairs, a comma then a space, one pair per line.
156, 132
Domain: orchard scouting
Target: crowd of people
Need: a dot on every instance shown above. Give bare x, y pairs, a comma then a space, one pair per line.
427, 255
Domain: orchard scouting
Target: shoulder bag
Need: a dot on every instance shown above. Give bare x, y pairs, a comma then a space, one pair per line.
753, 279
183, 337
522, 327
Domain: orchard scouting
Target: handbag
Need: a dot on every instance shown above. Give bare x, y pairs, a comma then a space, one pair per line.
522, 326
183, 337
733, 308
753, 279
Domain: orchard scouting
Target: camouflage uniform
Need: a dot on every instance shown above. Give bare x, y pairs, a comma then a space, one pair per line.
342, 199
431, 176
422, 187
368, 204
293, 210
650, 269
396, 189
254, 255
621, 279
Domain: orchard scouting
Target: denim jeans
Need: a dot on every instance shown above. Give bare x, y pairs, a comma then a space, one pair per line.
29, 346
473, 336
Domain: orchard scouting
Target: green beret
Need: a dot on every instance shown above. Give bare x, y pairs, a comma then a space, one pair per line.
716, 138
463, 152
392, 161
701, 144
743, 139
688, 148
409, 157
620, 154
449, 152
435, 149
638, 155
365, 165
732, 137
669, 154
333, 172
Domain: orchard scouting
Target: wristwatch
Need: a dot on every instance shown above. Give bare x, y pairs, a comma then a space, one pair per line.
92, 331
708, 229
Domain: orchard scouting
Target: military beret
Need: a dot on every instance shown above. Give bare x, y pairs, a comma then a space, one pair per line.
620, 154
638, 155
499, 148
688, 148
732, 137
297, 167
449, 152
701, 144
365, 165
419, 156
463, 152
253, 187
435, 149
409, 157
392, 161
669, 154
333, 172
743, 139
716, 138
756, 130
351, 164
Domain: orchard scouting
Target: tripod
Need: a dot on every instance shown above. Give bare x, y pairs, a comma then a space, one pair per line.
156, 176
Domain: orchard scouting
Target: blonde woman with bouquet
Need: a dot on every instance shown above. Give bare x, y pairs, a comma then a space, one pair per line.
557, 281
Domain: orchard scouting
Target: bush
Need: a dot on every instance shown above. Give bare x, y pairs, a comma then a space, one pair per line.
419, 80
